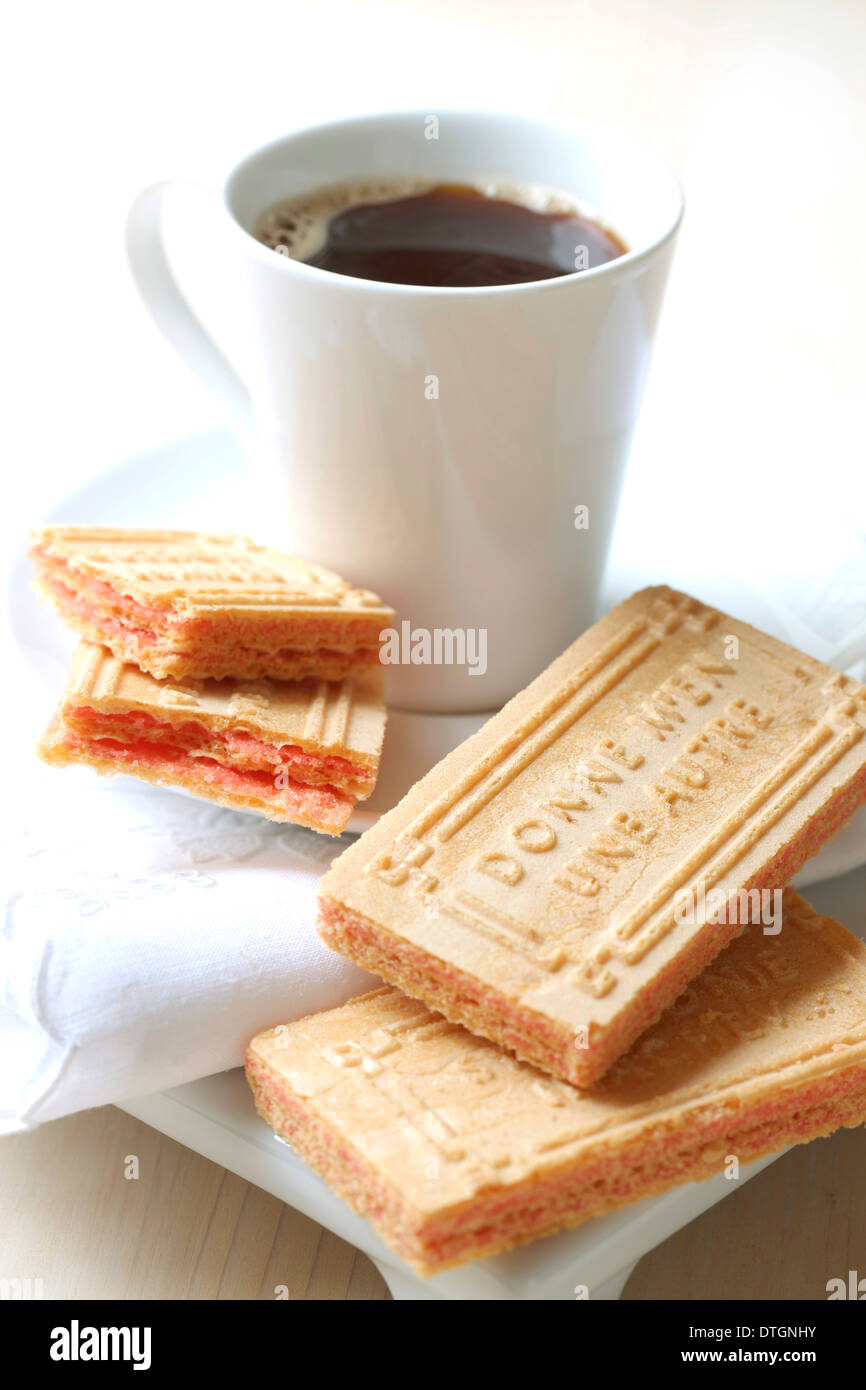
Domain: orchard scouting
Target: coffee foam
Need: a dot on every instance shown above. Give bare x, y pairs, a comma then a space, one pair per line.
297, 227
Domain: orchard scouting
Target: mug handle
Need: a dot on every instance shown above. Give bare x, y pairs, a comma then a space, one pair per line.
162, 296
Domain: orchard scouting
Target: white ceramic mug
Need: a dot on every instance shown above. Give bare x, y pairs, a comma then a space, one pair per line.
433, 444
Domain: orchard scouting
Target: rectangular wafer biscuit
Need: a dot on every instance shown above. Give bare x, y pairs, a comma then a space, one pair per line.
300, 751
180, 603
530, 886
455, 1150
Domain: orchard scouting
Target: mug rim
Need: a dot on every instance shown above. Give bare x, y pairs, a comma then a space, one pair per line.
574, 128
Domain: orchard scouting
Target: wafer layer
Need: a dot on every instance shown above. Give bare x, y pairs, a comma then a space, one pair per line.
293, 751
529, 886
455, 1150
177, 603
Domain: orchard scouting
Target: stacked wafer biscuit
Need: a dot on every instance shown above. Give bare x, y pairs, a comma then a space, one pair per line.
217, 666
545, 890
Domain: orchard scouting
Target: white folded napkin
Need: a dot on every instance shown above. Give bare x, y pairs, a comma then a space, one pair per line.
147, 937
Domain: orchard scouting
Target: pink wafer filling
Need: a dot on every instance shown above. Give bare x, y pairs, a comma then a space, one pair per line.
605, 1177
322, 804
116, 614
235, 747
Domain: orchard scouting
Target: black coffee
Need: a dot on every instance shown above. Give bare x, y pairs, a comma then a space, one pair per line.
446, 235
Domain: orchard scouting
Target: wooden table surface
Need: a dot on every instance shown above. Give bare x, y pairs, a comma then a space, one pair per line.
187, 1229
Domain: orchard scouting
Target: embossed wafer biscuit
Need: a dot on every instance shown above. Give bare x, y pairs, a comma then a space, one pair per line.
182, 604
528, 886
300, 751
455, 1150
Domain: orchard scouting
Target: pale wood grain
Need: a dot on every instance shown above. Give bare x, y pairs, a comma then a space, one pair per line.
782, 1236
185, 1228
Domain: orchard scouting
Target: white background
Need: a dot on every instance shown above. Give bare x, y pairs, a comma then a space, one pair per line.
757, 384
